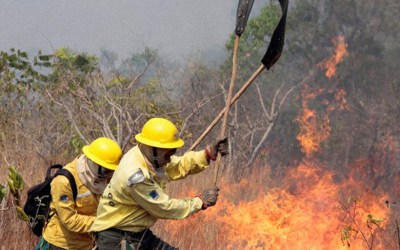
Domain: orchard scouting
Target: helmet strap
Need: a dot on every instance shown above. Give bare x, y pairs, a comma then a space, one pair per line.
155, 158
100, 171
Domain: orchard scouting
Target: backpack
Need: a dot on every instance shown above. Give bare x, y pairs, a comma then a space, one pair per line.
37, 205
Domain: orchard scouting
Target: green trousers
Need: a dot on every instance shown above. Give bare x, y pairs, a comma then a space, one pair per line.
123, 240
44, 245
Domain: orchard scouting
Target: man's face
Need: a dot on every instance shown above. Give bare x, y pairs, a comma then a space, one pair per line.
164, 155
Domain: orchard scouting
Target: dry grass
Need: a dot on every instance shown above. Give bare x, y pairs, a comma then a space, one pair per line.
14, 233
263, 211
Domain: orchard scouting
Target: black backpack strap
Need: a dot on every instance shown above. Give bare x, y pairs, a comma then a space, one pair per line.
48, 172
71, 179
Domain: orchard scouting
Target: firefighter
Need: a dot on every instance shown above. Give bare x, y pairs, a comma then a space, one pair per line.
69, 227
135, 197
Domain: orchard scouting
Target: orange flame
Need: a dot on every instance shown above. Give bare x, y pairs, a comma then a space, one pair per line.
307, 213
314, 129
340, 52
315, 126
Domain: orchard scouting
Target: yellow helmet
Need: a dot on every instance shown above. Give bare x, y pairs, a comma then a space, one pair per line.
159, 133
104, 152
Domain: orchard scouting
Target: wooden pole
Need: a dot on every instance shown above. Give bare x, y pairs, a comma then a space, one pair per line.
234, 99
228, 103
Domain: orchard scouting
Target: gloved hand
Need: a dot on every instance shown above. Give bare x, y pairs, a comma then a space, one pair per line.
209, 197
221, 146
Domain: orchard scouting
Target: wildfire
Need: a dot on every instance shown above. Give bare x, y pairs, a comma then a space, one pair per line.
305, 215
308, 208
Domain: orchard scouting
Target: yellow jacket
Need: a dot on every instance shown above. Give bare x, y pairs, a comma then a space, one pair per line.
69, 227
135, 197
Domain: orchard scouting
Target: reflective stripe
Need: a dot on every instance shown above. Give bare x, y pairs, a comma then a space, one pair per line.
86, 194
136, 178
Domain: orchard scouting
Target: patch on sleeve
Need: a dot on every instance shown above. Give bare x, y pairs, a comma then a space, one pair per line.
136, 178
63, 198
153, 194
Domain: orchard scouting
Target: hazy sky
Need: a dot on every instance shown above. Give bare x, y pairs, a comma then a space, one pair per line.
175, 27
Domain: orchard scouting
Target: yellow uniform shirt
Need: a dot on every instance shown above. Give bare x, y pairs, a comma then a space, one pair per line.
69, 227
135, 197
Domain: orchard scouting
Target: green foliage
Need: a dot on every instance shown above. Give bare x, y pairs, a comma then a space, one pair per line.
21, 214
155, 96
354, 229
15, 183
3, 192
65, 60
346, 235
77, 143
21, 81
138, 62
108, 59
373, 220
67, 63
17, 72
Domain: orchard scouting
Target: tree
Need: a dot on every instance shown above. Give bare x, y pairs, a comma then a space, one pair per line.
96, 105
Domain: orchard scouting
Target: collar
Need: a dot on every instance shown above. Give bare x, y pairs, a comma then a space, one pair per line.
150, 169
88, 178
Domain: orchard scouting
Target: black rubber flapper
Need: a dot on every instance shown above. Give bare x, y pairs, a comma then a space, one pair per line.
275, 47
242, 15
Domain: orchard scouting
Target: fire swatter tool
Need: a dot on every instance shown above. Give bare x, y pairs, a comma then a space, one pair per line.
271, 56
242, 15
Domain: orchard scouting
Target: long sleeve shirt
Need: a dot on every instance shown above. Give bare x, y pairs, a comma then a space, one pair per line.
135, 197
69, 227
